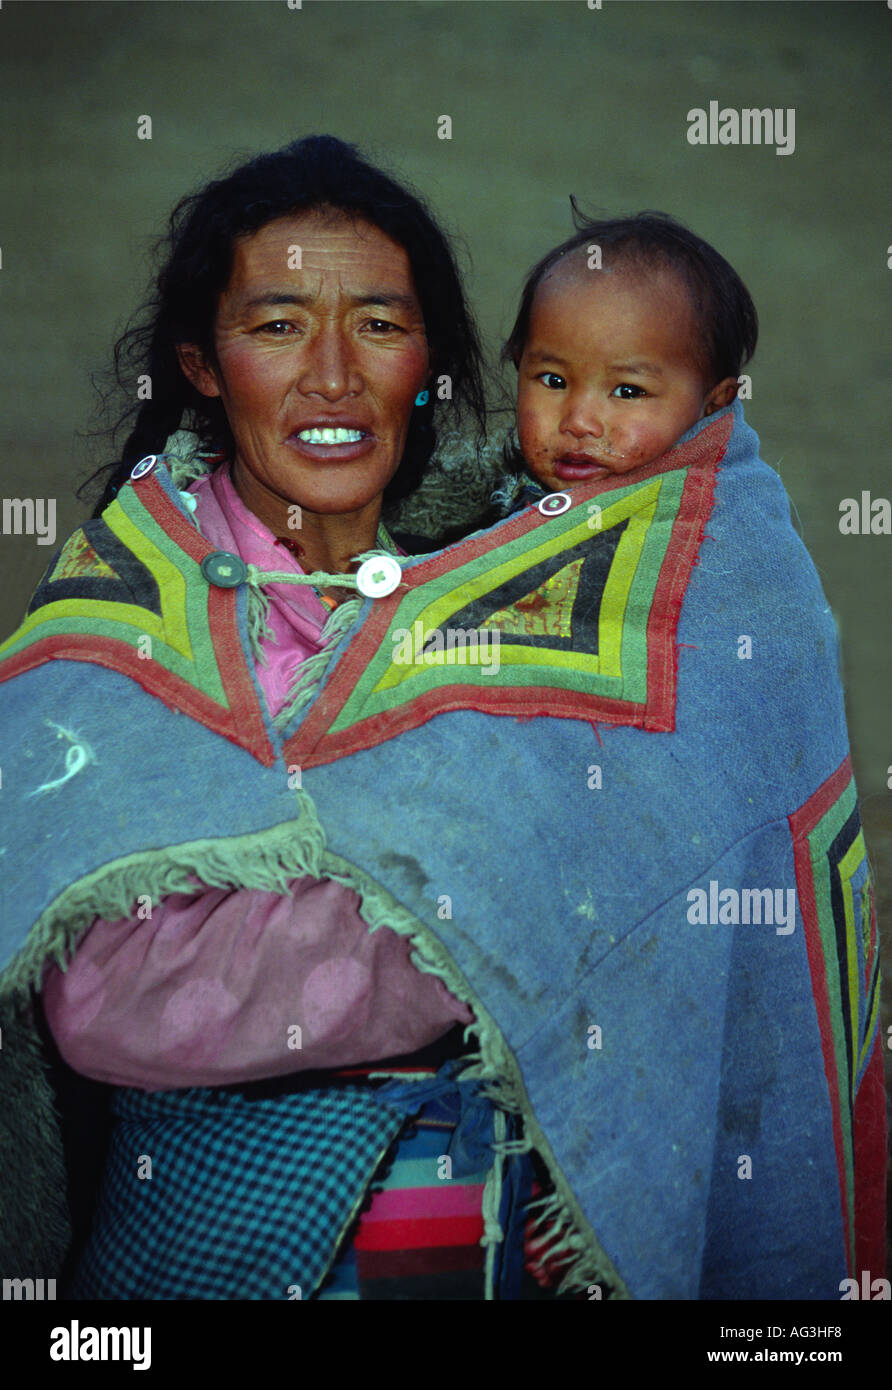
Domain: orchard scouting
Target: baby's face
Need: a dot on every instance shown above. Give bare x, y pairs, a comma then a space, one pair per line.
609, 378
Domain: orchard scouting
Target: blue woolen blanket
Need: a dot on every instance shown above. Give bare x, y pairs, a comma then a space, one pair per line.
619, 820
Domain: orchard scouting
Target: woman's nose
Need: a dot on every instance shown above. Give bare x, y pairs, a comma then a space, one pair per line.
328, 369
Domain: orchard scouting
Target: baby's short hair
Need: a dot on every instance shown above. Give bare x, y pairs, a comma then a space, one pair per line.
652, 241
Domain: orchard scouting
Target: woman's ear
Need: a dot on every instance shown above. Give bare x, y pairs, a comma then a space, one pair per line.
197, 370
720, 395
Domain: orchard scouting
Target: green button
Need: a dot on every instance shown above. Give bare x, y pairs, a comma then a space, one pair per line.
223, 570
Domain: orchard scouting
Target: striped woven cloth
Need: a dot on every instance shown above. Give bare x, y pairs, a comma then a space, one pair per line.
359, 1189
420, 1232
419, 1237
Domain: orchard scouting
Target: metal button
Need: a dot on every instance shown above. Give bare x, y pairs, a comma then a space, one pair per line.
224, 570
554, 503
144, 466
379, 576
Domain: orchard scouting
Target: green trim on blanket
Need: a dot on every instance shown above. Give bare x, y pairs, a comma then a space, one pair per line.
266, 860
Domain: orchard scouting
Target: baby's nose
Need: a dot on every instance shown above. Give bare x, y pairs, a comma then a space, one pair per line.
583, 419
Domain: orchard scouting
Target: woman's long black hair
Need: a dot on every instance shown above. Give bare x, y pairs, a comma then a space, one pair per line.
197, 252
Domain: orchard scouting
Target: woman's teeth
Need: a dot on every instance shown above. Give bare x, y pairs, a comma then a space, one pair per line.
330, 436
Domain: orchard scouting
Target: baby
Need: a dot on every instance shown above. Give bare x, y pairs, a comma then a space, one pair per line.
626, 336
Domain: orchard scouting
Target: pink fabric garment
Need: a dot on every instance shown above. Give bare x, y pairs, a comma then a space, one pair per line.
209, 991
296, 613
233, 985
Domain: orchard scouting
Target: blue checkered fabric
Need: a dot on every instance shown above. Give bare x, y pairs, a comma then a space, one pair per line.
247, 1198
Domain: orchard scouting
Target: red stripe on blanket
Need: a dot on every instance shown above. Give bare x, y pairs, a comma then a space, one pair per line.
417, 1234
245, 724
870, 1167
173, 691
801, 823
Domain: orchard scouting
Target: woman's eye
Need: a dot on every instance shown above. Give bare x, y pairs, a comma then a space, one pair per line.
382, 326
277, 327
552, 381
627, 392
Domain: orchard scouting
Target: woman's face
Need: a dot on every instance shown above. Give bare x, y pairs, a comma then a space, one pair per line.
319, 330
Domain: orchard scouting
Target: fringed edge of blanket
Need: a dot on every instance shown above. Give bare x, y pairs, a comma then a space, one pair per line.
570, 1242
266, 860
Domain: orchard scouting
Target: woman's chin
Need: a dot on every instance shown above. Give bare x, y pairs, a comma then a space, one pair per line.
336, 488
326, 487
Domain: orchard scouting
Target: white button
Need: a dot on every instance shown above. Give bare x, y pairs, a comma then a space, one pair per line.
554, 503
379, 576
143, 467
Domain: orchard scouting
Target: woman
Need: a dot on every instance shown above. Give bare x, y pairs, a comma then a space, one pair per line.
306, 304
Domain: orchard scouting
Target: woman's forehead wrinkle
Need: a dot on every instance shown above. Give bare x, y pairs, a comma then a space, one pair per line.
336, 262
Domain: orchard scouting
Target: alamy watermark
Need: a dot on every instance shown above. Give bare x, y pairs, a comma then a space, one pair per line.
750, 125
30, 1290
869, 516
30, 516
77, 1343
775, 907
457, 646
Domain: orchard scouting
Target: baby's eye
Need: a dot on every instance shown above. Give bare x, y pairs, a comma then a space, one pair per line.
627, 392
552, 381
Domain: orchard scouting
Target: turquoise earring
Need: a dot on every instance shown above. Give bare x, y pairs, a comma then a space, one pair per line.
422, 398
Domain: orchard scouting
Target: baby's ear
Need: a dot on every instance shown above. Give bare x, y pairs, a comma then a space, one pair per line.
720, 395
